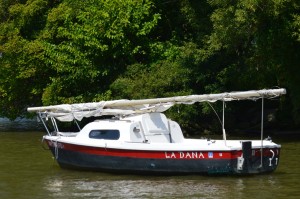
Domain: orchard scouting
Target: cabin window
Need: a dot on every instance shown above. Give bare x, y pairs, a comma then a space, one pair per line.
105, 134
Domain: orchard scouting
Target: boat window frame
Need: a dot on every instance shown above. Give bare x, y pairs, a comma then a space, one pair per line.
104, 132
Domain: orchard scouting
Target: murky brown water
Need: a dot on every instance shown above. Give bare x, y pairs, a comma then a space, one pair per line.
29, 171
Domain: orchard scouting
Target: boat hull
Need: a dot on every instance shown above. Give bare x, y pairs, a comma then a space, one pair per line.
163, 162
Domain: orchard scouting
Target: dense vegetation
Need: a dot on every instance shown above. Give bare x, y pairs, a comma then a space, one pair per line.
66, 51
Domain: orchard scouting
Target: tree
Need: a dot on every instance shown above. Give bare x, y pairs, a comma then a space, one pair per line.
68, 51
90, 43
257, 40
77, 51
21, 62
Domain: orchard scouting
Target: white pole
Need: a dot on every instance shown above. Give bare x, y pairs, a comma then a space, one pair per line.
223, 123
262, 131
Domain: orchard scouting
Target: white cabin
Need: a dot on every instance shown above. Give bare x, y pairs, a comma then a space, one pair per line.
144, 128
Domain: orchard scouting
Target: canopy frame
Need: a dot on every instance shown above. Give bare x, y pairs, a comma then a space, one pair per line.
69, 112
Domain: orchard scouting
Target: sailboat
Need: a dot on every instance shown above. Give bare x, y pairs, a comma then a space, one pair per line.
138, 138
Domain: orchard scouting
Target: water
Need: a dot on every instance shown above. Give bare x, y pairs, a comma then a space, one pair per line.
29, 171
19, 124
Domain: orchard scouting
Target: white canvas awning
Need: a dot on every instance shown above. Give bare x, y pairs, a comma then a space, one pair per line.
68, 112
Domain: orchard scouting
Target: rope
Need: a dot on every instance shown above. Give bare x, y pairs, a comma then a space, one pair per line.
215, 113
56, 148
223, 119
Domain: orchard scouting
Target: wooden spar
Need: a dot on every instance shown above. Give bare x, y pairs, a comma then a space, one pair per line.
176, 100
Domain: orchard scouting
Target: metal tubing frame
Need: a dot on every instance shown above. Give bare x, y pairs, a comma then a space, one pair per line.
77, 125
54, 124
40, 117
223, 123
262, 131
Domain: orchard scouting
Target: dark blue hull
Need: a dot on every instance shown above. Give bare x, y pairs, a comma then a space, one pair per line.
93, 162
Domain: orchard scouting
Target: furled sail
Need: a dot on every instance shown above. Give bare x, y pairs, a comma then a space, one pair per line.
69, 112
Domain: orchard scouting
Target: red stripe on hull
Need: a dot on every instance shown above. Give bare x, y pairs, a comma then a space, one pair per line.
146, 154
159, 154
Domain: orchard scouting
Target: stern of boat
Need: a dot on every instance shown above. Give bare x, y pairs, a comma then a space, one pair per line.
253, 160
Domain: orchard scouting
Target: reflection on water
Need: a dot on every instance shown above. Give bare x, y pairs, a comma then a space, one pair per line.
108, 186
29, 171
134, 188
19, 124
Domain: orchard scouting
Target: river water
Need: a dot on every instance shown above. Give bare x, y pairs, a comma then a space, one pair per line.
29, 171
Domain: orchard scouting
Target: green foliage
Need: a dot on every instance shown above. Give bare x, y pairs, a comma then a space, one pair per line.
258, 38
296, 26
21, 56
90, 42
171, 76
71, 51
